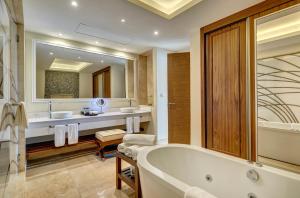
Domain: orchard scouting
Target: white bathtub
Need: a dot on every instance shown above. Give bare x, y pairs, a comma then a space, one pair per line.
167, 171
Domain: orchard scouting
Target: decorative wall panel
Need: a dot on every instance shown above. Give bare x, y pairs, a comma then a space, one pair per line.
61, 84
278, 89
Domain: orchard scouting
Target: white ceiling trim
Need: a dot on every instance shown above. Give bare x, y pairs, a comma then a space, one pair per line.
165, 9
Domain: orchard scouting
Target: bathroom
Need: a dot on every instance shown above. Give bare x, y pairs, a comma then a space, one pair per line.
148, 98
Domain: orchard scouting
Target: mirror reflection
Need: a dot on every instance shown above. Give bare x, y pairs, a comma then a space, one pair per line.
278, 89
64, 73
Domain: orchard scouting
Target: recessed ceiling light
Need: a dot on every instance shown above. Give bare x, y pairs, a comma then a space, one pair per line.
74, 4
79, 57
51, 53
123, 20
97, 42
156, 33
60, 34
102, 61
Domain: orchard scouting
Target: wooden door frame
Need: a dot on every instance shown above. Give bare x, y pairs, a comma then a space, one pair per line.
261, 9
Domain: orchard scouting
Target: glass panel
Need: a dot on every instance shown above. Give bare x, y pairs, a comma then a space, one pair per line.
64, 73
278, 89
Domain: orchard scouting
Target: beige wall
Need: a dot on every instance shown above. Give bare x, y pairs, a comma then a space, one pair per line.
85, 85
117, 81
73, 105
40, 81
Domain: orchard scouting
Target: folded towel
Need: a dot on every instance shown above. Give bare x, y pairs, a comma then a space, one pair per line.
73, 133
129, 125
129, 150
136, 124
195, 192
122, 147
59, 135
139, 139
21, 117
136, 151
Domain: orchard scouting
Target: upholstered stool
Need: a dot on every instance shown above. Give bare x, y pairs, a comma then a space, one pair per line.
109, 138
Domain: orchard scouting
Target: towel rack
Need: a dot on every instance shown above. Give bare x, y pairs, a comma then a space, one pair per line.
53, 126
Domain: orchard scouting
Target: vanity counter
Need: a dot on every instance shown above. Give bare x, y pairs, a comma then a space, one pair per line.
41, 126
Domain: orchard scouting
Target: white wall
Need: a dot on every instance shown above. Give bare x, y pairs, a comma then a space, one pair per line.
160, 86
85, 85
42, 106
117, 81
195, 90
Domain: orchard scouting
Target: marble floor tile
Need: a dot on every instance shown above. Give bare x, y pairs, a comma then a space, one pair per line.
82, 177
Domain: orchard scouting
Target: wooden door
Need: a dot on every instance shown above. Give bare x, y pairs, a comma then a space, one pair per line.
179, 97
225, 68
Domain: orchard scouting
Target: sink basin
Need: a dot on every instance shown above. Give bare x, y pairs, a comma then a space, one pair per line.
128, 109
61, 114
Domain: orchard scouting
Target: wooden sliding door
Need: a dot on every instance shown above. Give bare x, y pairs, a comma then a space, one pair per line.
179, 98
225, 90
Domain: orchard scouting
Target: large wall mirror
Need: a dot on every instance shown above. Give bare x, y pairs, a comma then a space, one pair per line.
278, 89
68, 73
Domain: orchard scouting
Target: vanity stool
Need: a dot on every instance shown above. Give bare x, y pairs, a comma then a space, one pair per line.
108, 141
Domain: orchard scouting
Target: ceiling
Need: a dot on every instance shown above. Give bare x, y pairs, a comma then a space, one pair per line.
100, 20
64, 59
166, 8
281, 25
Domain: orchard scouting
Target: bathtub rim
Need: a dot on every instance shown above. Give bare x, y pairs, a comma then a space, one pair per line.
143, 162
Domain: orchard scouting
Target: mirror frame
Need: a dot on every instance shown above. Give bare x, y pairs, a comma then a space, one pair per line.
72, 47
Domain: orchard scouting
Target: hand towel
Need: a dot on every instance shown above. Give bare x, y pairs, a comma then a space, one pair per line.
7, 117
195, 192
139, 139
129, 125
59, 135
72, 134
21, 117
129, 150
136, 124
122, 147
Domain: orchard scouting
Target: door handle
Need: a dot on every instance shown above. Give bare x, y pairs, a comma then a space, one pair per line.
172, 103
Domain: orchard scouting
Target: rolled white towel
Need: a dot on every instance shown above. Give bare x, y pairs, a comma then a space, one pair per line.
136, 151
122, 147
195, 192
139, 139
129, 150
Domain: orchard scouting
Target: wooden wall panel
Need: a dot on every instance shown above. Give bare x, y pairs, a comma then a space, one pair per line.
225, 90
142, 80
179, 98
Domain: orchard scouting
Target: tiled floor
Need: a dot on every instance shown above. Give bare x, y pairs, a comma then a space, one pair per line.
85, 176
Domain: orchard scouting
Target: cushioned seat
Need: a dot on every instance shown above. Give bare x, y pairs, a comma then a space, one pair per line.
108, 139
110, 135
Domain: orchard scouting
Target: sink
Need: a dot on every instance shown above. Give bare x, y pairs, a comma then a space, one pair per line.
128, 109
61, 114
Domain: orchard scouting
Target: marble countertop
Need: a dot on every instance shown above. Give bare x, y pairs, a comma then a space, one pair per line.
44, 121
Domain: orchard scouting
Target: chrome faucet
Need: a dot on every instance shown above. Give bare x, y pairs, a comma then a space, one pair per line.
50, 109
